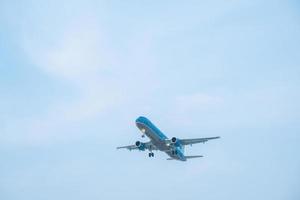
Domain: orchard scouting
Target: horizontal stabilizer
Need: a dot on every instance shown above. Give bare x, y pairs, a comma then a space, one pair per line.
187, 157
198, 156
170, 159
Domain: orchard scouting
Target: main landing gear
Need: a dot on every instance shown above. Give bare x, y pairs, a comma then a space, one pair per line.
174, 152
151, 154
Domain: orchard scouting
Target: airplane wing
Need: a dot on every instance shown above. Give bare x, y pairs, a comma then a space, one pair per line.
140, 146
129, 147
196, 140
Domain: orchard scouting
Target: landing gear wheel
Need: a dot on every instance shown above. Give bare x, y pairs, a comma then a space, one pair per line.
151, 154
174, 152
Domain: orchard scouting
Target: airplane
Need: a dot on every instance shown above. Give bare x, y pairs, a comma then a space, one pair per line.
173, 147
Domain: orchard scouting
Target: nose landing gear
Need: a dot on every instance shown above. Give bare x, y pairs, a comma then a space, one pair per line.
143, 132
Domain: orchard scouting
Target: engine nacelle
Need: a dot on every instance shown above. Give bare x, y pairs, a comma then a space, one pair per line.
140, 145
174, 140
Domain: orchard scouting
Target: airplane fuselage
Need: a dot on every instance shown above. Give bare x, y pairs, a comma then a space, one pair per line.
159, 139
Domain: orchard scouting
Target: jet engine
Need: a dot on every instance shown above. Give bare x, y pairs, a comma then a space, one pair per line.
174, 140
140, 145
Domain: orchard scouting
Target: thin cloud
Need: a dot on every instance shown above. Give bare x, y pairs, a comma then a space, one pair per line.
80, 58
199, 101
102, 77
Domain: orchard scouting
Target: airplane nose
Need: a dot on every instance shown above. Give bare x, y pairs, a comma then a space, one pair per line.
140, 118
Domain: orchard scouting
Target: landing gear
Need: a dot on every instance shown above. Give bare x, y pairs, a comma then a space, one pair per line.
143, 132
174, 152
151, 154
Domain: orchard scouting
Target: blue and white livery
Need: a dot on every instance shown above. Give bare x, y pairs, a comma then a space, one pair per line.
174, 147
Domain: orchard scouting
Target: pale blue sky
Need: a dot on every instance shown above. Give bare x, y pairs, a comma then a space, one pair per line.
75, 75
